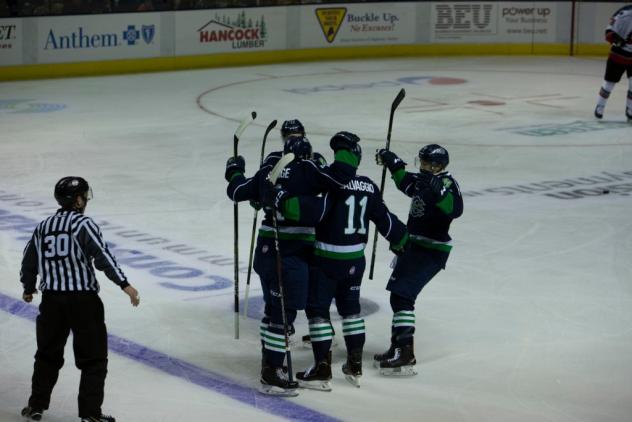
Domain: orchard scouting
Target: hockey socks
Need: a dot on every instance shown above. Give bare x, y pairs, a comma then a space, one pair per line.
274, 344
354, 332
604, 94
403, 328
321, 333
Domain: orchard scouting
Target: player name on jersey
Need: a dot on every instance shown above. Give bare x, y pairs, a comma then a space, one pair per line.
359, 185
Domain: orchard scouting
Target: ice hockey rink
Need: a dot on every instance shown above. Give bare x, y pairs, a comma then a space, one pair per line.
531, 321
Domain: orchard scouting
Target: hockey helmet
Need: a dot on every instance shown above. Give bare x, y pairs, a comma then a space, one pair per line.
68, 188
435, 154
292, 127
299, 146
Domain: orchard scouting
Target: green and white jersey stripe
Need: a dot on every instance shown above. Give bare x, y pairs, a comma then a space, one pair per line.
353, 326
329, 250
321, 331
290, 232
272, 341
429, 243
404, 319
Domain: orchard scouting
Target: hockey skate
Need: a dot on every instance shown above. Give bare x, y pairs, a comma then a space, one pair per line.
275, 382
628, 114
599, 111
316, 377
381, 357
100, 418
353, 368
402, 363
32, 414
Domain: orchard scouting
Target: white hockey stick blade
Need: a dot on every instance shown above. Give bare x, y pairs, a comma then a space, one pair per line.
244, 124
279, 166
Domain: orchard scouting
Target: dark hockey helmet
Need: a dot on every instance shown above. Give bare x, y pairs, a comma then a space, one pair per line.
435, 154
300, 146
292, 127
68, 188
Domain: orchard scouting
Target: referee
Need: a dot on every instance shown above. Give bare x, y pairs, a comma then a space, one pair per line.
62, 251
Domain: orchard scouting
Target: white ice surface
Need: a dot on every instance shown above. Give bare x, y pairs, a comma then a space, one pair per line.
531, 321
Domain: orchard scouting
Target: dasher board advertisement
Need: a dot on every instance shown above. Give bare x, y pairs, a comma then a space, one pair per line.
10, 42
357, 24
102, 37
490, 23
231, 30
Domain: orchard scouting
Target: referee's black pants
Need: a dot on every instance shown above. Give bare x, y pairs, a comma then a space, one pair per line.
81, 313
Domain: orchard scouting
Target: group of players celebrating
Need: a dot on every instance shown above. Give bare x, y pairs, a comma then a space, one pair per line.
319, 215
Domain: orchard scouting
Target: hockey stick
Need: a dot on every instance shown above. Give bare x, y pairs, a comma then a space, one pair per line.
272, 177
242, 126
396, 102
254, 223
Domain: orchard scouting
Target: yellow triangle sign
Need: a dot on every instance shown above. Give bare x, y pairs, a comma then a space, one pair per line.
330, 20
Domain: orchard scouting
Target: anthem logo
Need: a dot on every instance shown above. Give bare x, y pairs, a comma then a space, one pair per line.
81, 38
240, 31
131, 34
330, 20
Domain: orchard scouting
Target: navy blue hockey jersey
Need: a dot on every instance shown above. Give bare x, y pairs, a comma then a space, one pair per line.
430, 213
342, 218
300, 177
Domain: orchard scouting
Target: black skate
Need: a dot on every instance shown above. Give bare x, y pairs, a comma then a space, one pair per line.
316, 377
628, 114
401, 364
275, 382
100, 418
599, 111
32, 414
381, 357
353, 368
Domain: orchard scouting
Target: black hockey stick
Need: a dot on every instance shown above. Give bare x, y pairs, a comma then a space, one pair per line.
242, 126
396, 102
272, 177
254, 222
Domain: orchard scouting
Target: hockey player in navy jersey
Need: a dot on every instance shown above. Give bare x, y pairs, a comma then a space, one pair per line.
341, 218
619, 35
436, 201
301, 177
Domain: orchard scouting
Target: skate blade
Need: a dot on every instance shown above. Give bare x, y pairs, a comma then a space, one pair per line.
273, 390
315, 385
353, 380
402, 371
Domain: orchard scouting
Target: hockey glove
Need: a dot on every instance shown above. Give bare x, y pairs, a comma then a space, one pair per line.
384, 157
274, 195
234, 166
400, 247
615, 39
318, 158
429, 186
344, 140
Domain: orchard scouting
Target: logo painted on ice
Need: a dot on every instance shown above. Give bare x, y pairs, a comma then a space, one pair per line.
27, 106
408, 80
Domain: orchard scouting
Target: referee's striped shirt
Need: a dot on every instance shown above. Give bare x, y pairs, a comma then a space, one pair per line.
62, 251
